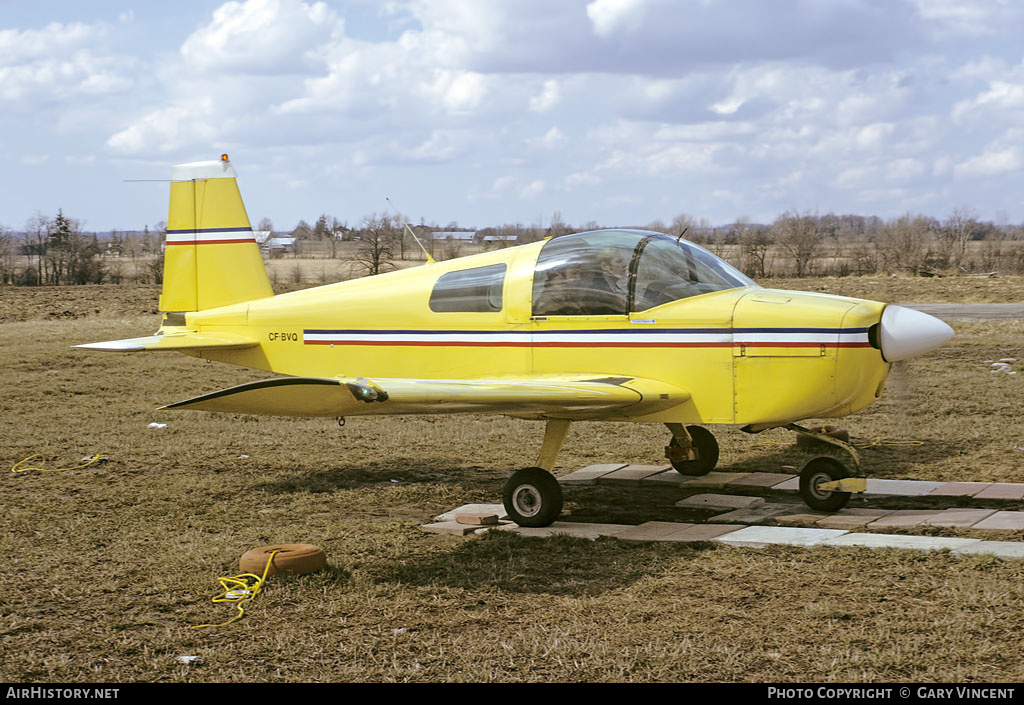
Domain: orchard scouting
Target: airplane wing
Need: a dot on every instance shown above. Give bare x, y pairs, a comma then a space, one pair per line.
575, 396
188, 340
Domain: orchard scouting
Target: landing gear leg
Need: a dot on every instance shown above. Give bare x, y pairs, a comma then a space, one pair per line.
554, 436
693, 450
825, 483
532, 496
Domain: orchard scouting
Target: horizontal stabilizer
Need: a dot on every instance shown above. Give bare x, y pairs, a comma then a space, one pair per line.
173, 341
575, 396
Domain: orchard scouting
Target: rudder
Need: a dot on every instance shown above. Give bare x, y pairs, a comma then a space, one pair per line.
211, 258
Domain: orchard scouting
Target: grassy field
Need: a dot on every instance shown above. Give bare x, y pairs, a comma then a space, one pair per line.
108, 567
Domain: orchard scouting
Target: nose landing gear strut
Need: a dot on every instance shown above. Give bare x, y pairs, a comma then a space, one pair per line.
825, 483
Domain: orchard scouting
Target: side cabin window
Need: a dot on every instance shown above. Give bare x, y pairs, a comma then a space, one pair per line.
469, 290
583, 276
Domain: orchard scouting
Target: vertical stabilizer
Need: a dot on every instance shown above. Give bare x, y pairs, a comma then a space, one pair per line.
211, 258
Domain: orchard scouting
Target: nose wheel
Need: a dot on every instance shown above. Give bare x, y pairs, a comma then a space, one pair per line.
818, 478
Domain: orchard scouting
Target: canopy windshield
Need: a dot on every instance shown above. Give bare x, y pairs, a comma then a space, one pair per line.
613, 272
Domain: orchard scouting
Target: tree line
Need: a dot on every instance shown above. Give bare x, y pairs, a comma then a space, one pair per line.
54, 251
794, 244
51, 251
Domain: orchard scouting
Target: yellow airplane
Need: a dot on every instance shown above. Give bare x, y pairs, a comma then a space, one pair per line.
610, 325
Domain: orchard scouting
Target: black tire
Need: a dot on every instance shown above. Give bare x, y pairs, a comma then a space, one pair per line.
532, 497
707, 453
816, 472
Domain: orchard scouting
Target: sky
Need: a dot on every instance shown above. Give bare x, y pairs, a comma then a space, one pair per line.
484, 112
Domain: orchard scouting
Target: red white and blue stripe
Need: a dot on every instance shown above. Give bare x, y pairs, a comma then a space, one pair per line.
603, 338
210, 236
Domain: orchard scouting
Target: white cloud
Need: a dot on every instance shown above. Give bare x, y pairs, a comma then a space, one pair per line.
18, 47
856, 177
441, 146
459, 91
978, 69
993, 162
532, 190
263, 36
613, 16
873, 136
503, 183
554, 138
1003, 99
707, 132
728, 106
904, 170
639, 99
59, 63
547, 99
977, 18
167, 129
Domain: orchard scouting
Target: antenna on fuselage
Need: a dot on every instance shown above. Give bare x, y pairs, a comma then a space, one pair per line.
680, 236
430, 260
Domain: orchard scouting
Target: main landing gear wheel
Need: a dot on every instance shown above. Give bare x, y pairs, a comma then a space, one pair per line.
532, 497
817, 472
705, 445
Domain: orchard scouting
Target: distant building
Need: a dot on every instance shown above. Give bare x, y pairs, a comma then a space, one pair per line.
262, 236
279, 245
464, 236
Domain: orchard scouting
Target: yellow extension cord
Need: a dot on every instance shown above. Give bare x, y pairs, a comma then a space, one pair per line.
17, 466
889, 443
237, 590
878, 441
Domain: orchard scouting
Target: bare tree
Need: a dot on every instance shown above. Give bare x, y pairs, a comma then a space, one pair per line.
376, 246
338, 230
682, 223
754, 245
37, 230
957, 230
7, 256
71, 256
156, 235
903, 243
798, 237
451, 248
658, 227
558, 225
132, 245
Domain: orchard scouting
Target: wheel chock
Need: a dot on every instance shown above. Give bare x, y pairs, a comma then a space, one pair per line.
847, 484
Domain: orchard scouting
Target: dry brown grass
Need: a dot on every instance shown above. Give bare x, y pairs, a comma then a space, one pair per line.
108, 567
908, 289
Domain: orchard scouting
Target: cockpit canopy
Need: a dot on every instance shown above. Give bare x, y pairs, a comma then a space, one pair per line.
613, 272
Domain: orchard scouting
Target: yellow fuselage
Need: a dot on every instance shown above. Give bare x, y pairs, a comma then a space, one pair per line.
746, 356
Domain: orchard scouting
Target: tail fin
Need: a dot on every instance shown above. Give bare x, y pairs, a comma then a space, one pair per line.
211, 258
